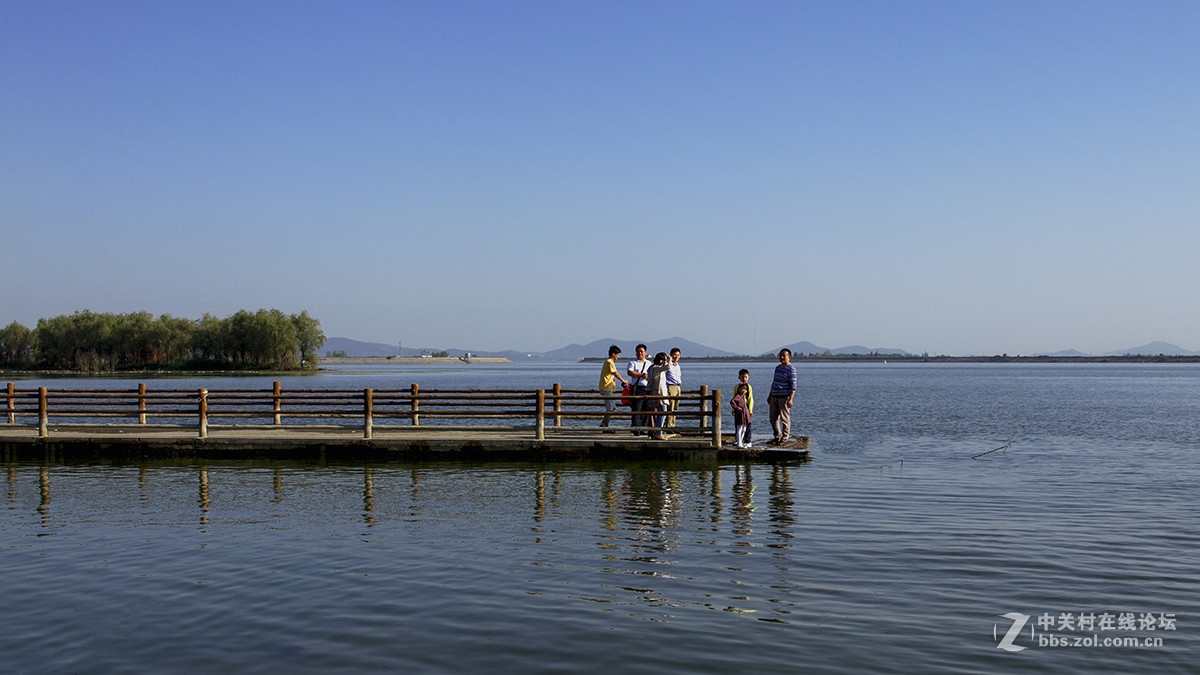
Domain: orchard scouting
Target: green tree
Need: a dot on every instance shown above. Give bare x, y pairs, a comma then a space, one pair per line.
210, 340
82, 341
89, 341
132, 339
16, 346
173, 337
310, 338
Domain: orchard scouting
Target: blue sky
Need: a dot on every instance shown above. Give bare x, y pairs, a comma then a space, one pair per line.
951, 177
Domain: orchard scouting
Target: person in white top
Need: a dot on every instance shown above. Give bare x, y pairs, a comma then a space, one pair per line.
658, 389
638, 372
674, 386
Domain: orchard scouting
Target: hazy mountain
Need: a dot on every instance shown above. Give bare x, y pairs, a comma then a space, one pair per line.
574, 351
1151, 349
570, 353
599, 348
809, 348
358, 349
1065, 352
1154, 349
798, 348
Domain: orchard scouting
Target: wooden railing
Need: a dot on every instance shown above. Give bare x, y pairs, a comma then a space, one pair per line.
555, 410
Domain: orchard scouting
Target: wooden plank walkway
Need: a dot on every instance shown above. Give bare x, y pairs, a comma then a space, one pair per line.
84, 442
375, 425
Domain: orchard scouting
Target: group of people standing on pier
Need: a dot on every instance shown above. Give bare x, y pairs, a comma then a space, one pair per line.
653, 387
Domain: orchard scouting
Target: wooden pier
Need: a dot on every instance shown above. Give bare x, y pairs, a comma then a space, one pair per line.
345, 424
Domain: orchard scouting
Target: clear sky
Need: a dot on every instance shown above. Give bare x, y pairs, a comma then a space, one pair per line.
952, 177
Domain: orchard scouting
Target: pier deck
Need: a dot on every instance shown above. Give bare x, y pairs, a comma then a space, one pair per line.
367, 424
86, 442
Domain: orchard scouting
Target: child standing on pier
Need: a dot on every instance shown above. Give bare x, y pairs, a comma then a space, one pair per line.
741, 414
742, 434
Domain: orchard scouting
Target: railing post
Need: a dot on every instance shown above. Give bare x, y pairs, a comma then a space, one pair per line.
541, 414
43, 414
416, 405
368, 411
141, 402
703, 405
275, 390
557, 404
12, 418
716, 399
203, 413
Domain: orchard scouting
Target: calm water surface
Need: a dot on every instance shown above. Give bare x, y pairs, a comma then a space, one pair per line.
892, 551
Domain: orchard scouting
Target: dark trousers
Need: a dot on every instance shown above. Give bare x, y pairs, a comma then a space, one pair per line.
640, 405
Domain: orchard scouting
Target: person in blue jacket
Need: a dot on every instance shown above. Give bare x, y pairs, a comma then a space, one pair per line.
779, 401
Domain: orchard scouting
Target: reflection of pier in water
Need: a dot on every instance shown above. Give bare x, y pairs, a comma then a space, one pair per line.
646, 513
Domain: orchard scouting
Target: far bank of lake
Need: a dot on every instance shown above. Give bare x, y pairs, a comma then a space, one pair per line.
409, 360
916, 358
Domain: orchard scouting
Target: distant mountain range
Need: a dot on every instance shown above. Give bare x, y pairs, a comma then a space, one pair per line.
575, 352
1151, 349
599, 348
572, 352
810, 348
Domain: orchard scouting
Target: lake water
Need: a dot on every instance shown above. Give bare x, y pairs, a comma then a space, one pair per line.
896, 550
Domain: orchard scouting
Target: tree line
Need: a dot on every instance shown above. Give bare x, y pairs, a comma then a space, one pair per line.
102, 342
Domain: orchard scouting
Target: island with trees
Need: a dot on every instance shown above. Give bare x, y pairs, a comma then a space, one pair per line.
92, 342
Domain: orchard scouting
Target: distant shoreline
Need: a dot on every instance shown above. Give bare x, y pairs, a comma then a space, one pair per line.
910, 358
324, 361
408, 360
483, 360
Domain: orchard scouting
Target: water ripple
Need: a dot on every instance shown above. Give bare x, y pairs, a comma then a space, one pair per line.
894, 551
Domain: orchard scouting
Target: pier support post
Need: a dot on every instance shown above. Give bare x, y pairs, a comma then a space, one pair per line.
416, 405
716, 399
141, 402
541, 415
703, 405
275, 391
368, 412
43, 414
557, 404
203, 413
12, 418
